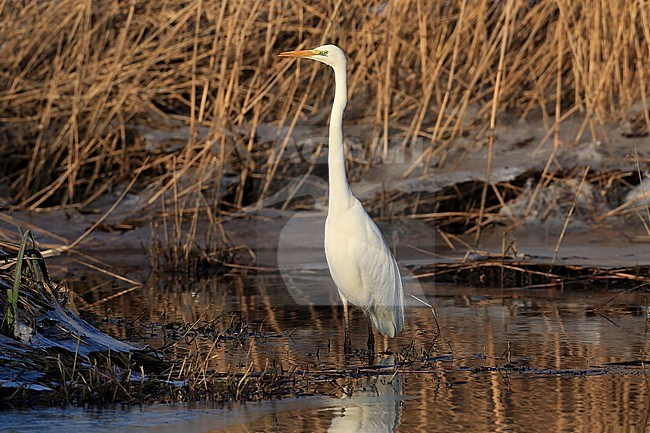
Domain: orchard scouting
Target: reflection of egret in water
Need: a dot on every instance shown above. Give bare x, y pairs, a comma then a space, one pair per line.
375, 406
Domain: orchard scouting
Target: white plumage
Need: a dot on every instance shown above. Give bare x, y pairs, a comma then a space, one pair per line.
363, 268
360, 261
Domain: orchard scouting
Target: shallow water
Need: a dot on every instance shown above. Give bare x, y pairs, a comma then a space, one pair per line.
569, 361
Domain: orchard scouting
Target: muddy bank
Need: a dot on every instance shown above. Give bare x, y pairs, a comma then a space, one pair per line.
581, 204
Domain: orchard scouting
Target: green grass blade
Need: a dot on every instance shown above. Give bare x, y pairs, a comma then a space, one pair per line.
12, 294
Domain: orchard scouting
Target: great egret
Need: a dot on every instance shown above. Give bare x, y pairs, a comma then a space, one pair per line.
360, 261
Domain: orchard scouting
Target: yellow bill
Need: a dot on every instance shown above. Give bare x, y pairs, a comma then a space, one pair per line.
299, 53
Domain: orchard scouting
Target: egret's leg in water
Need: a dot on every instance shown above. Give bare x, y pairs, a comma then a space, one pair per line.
371, 338
347, 342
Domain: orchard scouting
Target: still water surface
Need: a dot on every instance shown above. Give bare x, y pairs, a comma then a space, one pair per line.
507, 360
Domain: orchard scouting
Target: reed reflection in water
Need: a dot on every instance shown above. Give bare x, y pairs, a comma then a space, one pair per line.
556, 351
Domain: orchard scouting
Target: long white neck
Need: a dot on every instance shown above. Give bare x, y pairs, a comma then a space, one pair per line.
340, 196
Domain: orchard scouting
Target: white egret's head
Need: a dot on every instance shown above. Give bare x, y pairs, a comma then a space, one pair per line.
328, 54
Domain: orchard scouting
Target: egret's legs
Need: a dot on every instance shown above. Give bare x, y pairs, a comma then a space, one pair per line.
371, 338
347, 342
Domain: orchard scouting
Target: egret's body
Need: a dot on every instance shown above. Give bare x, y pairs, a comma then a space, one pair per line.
360, 261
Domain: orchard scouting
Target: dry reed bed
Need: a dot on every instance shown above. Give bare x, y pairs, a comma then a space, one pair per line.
77, 77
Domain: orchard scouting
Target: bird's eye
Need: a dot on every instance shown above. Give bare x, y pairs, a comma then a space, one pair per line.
323, 53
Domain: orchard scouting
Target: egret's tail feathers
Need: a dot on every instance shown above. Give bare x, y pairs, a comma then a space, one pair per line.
389, 321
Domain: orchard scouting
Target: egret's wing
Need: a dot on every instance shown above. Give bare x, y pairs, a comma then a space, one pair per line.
379, 274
